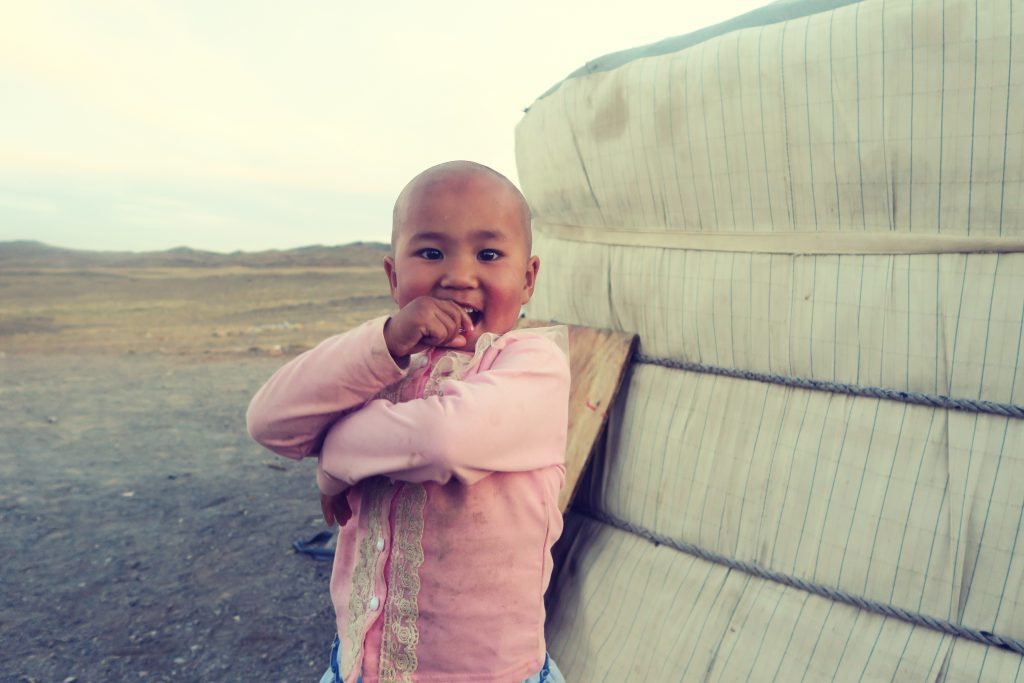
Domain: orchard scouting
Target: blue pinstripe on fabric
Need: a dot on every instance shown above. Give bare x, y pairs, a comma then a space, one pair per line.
642, 149
690, 496
689, 146
785, 119
910, 506
831, 491
988, 326
846, 645
974, 111
771, 272
750, 467
885, 497
810, 488
696, 641
767, 629
679, 586
725, 138
672, 137
792, 633
835, 319
935, 535
817, 641
764, 138
860, 159
689, 617
860, 489
956, 329
832, 98
906, 378
666, 412
981, 542
807, 111
810, 331
881, 112
788, 487
771, 461
614, 622
589, 637
1006, 120
959, 600
595, 588
707, 137
714, 309
740, 626
743, 134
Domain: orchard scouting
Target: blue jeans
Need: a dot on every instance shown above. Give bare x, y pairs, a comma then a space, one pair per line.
548, 673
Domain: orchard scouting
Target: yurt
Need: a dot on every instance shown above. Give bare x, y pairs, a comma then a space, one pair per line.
812, 217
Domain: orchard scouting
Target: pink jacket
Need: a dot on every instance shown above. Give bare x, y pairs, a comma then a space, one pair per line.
454, 467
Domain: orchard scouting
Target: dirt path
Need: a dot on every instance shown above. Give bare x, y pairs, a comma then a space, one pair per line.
145, 537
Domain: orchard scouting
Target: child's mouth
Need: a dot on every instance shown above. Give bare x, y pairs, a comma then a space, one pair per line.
474, 315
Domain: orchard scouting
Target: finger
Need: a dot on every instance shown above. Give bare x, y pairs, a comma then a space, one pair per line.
462, 322
441, 327
326, 509
342, 511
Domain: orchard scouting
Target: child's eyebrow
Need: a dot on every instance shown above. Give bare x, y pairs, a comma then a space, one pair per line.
428, 237
490, 235
437, 236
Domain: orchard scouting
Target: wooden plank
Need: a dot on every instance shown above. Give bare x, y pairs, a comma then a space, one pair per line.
597, 362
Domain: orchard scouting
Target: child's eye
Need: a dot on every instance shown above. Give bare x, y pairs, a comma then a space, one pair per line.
489, 255
430, 254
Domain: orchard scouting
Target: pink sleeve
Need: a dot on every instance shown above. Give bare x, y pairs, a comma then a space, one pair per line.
510, 417
291, 412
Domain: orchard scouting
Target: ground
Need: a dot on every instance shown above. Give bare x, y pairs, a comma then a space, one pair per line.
145, 536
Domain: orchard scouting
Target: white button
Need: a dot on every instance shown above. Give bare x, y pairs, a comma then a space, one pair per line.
374, 602
380, 544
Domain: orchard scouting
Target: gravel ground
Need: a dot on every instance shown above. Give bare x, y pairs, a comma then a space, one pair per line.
145, 536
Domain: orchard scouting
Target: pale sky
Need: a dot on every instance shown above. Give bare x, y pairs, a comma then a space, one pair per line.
224, 125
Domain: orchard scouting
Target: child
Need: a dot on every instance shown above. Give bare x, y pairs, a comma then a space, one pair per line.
441, 434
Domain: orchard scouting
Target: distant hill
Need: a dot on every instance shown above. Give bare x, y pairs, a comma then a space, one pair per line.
36, 254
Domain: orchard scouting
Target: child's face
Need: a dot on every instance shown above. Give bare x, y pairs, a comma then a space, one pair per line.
462, 238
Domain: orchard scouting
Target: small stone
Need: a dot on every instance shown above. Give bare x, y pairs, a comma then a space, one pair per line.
70, 679
179, 660
52, 419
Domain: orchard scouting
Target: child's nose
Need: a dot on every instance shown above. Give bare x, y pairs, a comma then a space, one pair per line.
460, 274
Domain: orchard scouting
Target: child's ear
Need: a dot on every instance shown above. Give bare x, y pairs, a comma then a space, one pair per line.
532, 266
389, 270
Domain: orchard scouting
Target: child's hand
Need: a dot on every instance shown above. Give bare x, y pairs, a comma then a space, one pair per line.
335, 509
426, 322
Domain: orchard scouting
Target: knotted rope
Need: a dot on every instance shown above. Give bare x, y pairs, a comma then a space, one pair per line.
932, 400
884, 609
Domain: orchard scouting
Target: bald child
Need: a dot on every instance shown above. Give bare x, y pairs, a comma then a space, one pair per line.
440, 436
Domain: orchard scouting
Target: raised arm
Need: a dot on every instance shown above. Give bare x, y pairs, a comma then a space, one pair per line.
291, 412
511, 416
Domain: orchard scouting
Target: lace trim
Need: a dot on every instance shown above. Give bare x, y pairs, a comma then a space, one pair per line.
359, 614
393, 392
454, 364
401, 610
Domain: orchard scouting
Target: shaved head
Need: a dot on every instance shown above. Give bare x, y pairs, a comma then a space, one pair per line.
460, 176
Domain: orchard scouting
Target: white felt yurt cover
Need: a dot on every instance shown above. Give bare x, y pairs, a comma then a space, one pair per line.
819, 191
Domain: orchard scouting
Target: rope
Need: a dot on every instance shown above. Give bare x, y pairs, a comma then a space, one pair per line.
932, 400
884, 609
